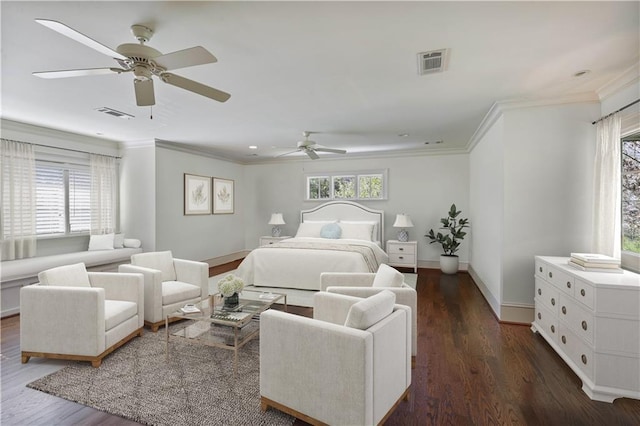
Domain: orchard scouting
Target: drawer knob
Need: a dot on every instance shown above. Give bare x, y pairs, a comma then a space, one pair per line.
553, 328
568, 284
401, 249
540, 268
550, 274
400, 257
539, 292
584, 325
539, 315
582, 292
564, 340
584, 359
553, 301
564, 310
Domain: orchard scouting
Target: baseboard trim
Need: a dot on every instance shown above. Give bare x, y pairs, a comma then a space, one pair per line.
506, 313
435, 264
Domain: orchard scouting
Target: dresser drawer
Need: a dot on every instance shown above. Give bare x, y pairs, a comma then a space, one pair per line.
577, 350
541, 269
546, 294
583, 293
577, 318
560, 279
546, 321
399, 258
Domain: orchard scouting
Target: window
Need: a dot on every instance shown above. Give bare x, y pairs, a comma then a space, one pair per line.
631, 193
62, 199
347, 186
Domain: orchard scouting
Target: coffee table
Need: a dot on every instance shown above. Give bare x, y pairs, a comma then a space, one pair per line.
226, 329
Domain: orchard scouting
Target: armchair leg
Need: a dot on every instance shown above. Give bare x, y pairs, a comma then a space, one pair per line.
25, 359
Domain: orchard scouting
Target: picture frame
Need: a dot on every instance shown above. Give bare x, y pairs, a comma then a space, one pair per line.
223, 196
197, 194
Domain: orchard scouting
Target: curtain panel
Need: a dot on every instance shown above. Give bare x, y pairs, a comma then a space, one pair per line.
607, 188
18, 200
103, 194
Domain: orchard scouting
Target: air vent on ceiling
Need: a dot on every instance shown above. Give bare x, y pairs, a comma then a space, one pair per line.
115, 113
433, 61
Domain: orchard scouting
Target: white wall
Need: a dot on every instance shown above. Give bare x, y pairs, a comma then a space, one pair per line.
198, 237
486, 185
138, 194
545, 154
422, 186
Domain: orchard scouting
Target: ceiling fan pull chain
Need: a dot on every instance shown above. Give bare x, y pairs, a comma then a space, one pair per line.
151, 112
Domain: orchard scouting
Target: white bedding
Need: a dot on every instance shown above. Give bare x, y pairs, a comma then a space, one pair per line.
300, 268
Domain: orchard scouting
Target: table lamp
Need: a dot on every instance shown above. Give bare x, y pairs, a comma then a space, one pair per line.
403, 221
276, 219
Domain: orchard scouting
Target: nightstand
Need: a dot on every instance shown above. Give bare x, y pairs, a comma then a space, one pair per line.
404, 254
267, 239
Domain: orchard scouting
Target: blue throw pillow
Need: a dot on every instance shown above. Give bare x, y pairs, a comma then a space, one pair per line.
331, 230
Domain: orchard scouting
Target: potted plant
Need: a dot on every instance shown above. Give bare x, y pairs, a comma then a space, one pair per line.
230, 286
450, 240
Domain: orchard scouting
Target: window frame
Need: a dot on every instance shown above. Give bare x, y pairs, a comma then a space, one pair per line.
628, 259
383, 173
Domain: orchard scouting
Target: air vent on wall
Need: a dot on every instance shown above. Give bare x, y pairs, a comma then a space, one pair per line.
433, 61
115, 113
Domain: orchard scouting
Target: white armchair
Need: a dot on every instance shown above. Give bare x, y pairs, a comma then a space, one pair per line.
367, 284
169, 283
79, 315
348, 365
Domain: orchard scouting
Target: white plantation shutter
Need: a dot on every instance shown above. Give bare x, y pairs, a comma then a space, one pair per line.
79, 201
103, 194
50, 196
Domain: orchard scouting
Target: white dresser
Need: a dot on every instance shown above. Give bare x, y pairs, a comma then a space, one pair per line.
592, 320
403, 254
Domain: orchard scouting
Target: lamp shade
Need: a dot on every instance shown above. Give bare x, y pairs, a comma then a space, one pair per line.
276, 219
403, 221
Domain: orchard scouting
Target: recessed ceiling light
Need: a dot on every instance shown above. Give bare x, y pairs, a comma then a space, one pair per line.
581, 73
403, 135
253, 147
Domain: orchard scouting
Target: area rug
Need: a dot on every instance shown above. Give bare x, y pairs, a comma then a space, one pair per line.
294, 296
195, 386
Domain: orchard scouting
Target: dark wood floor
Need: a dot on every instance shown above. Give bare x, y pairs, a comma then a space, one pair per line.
470, 370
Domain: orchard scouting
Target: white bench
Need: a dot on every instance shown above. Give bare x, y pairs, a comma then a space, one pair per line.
15, 274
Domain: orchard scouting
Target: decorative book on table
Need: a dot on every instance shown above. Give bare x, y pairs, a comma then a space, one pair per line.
594, 262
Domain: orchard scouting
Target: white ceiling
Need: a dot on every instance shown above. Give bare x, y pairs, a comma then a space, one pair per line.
347, 70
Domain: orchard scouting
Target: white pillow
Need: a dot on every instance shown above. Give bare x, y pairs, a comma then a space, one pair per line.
310, 229
132, 243
386, 276
367, 312
160, 260
68, 275
373, 223
356, 231
101, 242
118, 241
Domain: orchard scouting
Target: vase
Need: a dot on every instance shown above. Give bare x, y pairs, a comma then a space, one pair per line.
231, 301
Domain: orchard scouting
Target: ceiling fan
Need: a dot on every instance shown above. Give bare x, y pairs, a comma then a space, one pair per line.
143, 61
311, 148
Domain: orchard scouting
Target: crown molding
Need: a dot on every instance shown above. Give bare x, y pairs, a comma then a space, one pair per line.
195, 150
499, 107
627, 78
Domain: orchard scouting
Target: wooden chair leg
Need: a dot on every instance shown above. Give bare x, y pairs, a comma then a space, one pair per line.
25, 359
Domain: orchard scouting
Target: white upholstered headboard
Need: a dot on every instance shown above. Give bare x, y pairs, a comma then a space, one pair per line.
346, 211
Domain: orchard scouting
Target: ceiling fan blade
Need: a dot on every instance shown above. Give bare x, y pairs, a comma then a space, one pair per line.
335, 151
144, 92
288, 153
185, 58
195, 87
312, 154
79, 37
77, 73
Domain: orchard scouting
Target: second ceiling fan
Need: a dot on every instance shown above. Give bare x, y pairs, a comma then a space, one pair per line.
311, 148
141, 60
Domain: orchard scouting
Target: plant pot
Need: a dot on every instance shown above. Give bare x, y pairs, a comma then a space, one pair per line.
232, 301
449, 264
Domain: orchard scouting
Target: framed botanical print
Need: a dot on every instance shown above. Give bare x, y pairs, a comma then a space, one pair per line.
197, 194
223, 196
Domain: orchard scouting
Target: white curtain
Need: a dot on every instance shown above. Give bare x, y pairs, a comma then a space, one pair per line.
103, 194
18, 200
607, 191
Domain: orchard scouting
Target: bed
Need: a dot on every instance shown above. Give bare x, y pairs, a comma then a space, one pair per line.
297, 262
